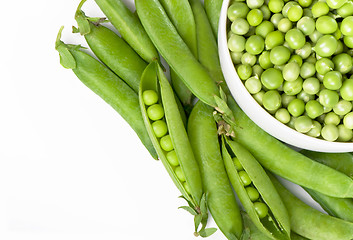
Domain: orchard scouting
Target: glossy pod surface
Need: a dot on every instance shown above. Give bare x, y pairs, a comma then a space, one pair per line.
203, 136
276, 223
285, 162
213, 9
107, 85
311, 223
169, 43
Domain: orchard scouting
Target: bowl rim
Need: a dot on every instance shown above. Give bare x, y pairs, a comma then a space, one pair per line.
256, 112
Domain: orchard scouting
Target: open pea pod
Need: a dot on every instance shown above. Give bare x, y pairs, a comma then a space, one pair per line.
255, 191
171, 141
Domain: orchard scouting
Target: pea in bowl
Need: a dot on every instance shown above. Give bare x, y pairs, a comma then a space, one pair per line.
307, 129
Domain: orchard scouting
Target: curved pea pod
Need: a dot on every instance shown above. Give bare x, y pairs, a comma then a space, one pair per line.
311, 223
284, 161
213, 9
275, 224
111, 49
342, 162
338, 207
185, 25
175, 51
129, 27
154, 79
202, 130
107, 85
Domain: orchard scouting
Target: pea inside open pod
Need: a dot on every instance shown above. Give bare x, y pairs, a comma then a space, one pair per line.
267, 211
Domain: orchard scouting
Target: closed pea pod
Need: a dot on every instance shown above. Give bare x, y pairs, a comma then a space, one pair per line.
184, 169
129, 27
111, 49
213, 9
275, 224
310, 222
169, 43
107, 85
203, 136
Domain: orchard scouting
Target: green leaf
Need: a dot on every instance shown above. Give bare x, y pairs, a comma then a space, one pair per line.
189, 209
197, 221
222, 107
207, 232
66, 58
203, 204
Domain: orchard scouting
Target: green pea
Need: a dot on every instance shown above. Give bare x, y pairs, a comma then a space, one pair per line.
344, 134
315, 36
348, 41
295, 38
259, 96
265, 28
291, 71
311, 86
155, 112
172, 158
295, 13
346, 10
296, 107
166, 143
346, 90
293, 87
326, 46
303, 124
279, 55
305, 3
332, 118
287, 6
236, 57
273, 39
324, 65
306, 25
342, 107
257, 70
333, 80
275, 6
264, 60
253, 85
249, 59
255, 17
266, 12
244, 177
179, 173
314, 109
297, 59
305, 51
271, 100
150, 97
347, 26
330, 132
328, 98
315, 130
255, 44
237, 10
283, 115
348, 120
244, 71
272, 78
291, 122
276, 18
240, 26
237, 164
159, 128
284, 25
254, 3
261, 209
252, 193
307, 70
187, 188
305, 96
326, 25
236, 43
319, 9
343, 63
286, 99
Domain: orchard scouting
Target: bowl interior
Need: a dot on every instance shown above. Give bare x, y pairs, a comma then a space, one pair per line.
258, 114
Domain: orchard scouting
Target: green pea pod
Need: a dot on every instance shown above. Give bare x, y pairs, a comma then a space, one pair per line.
107, 85
213, 9
185, 25
337, 207
207, 44
222, 204
284, 161
311, 223
174, 50
111, 49
154, 79
342, 162
275, 224
129, 27
295, 236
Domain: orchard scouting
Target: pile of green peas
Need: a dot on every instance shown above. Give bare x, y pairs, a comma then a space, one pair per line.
296, 59
260, 207
155, 113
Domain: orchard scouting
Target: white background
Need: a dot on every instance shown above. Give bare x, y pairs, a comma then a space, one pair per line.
70, 167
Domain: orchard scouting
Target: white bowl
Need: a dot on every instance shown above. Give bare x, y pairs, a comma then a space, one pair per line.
259, 115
